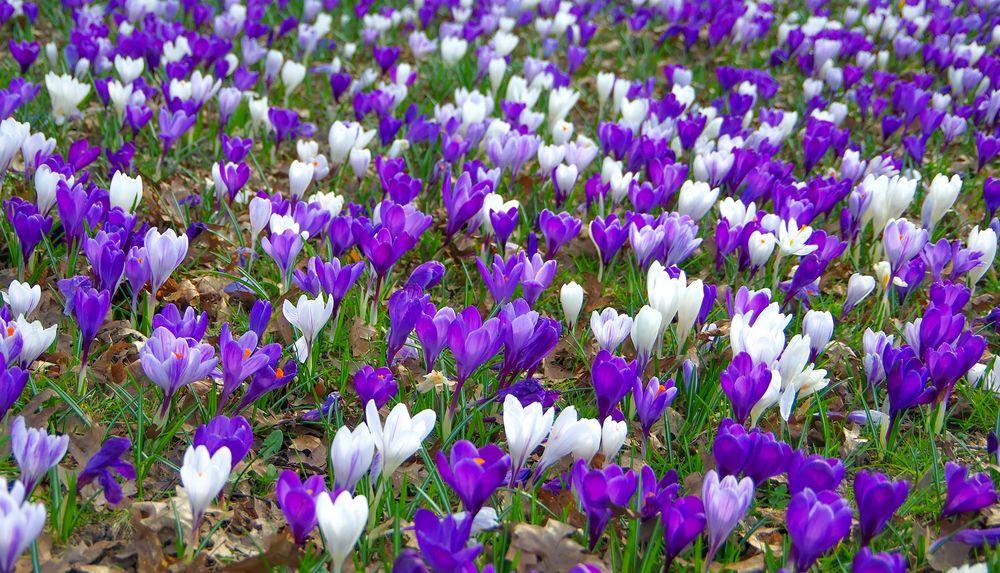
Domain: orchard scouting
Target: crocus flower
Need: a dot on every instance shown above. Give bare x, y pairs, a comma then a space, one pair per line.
400, 437
814, 472
444, 541
23, 522
816, 524
171, 363
432, 332
609, 328
473, 342
644, 334
106, 465
877, 498
652, 401
351, 455
378, 385
283, 248
341, 520
36, 452
406, 307
308, 316
755, 454
745, 384
865, 561
13, 379
234, 433
203, 476
536, 276
240, 359
967, 493
525, 427
600, 490
297, 500
612, 378
683, 521
90, 307
22, 298
558, 229
726, 502
187, 325
571, 297
165, 252
858, 288
474, 473
502, 277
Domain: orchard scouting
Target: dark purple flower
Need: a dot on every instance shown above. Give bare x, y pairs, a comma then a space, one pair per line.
651, 401
30, 227
239, 359
444, 541
600, 490
24, 52
502, 277
259, 317
406, 306
755, 454
283, 248
527, 339
234, 433
967, 493
376, 384
877, 498
472, 341
189, 325
683, 521
813, 472
816, 524
432, 332
744, 384
473, 473
427, 275
463, 200
106, 465
608, 235
558, 229
12, 382
297, 500
267, 379
612, 378
90, 307
867, 562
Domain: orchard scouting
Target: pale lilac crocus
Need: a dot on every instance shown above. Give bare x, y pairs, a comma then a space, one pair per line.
36, 452
726, 502
164, 252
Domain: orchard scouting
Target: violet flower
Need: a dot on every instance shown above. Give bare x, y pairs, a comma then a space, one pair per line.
473, 342
188, 325
814, 472
376, 384
683, 520
558, 229
817, 522
755, 454
744, 384
967, 493
502, 277
865, 561
474, 473
600, 490
652, 401
105, 466
877, 498
406, 306
444, 542
222, 431
297, 500
172, 362
726, 502
612, 378
35, 451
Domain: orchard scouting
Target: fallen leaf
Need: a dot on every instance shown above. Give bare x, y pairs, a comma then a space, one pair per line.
548, 549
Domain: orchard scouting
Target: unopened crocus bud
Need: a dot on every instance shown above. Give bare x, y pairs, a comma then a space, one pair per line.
819, 327
341, 520
260, 214
571, 297
203, 476
21, 298
125, 192
858, 288
645, 329
359, 160
760, 245
351, 455
300, 175
941, 195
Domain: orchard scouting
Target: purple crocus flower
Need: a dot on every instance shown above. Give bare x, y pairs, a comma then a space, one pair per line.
13, 379
173, 125
558, 229
165, 252
502, 277
297, 500
472, 341
816, 524
427, 275
877, 498
221, 431
29, 225
907, 382
107, 261
967, 493
171, 362
536, 276
35, 451
755, 454
600, 490
283, 248
683, 521
24, 52
106, 465
90, 307
267, 379
259, 317
187, 325
137, 272
865, 561
726, 502
432, 332
744, 384
474, 473
376, 384
444, 541
462, 200
608, 235
814, 472
612, 378
239, 359
652, 401
527, 339
406, 306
